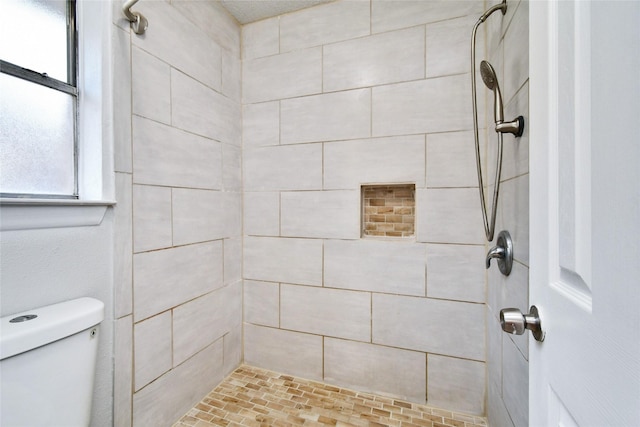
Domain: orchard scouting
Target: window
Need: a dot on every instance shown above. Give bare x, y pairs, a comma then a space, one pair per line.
83, 122
39, 103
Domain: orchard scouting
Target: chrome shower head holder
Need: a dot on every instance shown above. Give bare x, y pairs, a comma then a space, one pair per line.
515, 126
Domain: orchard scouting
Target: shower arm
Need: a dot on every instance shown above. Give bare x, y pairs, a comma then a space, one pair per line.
489, 224
139, 23
502, 6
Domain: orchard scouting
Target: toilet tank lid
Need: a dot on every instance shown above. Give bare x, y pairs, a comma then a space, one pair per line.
52, 323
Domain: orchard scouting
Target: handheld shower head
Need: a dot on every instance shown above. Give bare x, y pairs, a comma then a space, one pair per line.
488, 75
489, 78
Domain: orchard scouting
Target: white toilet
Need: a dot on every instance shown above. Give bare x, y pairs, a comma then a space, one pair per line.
47, 364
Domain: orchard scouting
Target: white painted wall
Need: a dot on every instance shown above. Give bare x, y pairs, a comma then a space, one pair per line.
47, 266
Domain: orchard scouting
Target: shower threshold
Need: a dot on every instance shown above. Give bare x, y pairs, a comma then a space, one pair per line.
252, 396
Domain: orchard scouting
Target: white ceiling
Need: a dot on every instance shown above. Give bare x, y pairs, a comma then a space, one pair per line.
246, 11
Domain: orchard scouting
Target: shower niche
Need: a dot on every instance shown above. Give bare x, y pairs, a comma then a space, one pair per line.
388, 211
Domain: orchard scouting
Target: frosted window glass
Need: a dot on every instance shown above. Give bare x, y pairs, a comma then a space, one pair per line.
36, 138
33, 35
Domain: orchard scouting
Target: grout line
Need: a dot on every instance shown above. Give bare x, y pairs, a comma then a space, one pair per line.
426, 377
322, 278
171, 209
279, 122
323, 355
279, 214
370, 17
424, 52
322, 69
371, 317
323, 166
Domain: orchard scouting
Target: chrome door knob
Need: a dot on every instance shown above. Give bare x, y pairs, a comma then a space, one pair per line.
514, 322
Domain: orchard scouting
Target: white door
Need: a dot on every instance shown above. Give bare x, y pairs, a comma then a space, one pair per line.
585, 212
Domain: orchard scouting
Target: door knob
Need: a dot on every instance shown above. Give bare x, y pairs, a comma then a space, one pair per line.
514, 322
503, 251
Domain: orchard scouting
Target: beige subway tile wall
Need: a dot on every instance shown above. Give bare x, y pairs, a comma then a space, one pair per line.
338, 96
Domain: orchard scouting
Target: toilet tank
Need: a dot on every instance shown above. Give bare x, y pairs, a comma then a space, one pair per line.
47, 364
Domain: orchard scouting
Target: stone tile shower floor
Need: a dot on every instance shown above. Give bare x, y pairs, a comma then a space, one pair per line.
256, 397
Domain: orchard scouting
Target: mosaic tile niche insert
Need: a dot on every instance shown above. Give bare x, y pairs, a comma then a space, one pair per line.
388, 210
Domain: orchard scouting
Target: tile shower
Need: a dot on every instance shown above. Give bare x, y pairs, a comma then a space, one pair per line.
239, 216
